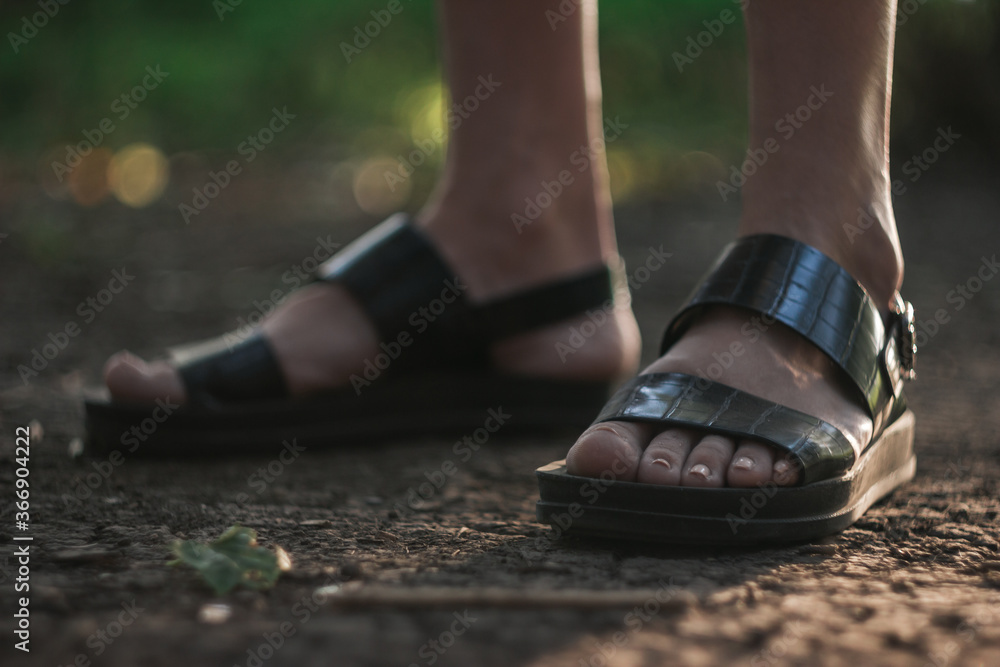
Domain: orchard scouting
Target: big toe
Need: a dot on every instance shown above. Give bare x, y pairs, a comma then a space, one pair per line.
613, 448
130, 379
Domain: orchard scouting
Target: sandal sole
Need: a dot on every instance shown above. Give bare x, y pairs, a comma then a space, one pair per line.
767, 514
442, 405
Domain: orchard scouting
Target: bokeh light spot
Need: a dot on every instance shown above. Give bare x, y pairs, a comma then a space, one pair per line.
138, 174
422, 110
702, 168
622, 171
88, 182
379, 187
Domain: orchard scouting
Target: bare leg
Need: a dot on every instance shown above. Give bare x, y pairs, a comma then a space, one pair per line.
545, 106
830, 167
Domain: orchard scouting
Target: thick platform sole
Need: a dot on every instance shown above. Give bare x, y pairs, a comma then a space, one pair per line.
445, 405
766, 514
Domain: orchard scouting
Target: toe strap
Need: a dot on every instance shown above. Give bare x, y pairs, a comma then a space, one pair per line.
228, 369
679, 399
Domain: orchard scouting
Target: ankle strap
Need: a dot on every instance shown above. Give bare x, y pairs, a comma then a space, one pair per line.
546, 304
405, 287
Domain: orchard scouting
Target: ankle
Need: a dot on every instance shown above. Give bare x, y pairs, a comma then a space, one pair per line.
520, 229
860, 237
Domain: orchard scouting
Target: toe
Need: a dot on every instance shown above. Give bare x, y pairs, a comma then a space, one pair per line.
752, 464
786, 471
663, 460
708, 462
131, 379
609, 447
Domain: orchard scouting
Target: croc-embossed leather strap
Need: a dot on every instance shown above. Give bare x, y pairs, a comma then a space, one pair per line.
792, 283
407, 289
685, 400
398, 277
226, 369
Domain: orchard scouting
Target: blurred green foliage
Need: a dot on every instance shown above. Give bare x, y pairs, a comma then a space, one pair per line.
226, 75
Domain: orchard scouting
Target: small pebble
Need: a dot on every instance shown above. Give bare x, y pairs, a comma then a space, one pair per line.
75, 448
284, 560
214, 613
36, 431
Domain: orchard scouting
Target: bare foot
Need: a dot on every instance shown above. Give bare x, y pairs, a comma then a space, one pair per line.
776, 363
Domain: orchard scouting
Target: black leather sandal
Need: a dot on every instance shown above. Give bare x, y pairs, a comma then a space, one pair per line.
803, 289
433, 375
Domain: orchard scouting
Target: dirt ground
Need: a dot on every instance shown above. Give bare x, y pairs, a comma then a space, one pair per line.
916, 582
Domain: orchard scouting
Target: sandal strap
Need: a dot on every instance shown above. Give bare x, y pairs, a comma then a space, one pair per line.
797, 285
805, 290
546, 304
405, 286
392, 271
819, 448
227, 369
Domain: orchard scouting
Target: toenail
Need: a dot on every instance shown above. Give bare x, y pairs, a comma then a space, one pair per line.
744, 463
662, 462
700, 470
782, 470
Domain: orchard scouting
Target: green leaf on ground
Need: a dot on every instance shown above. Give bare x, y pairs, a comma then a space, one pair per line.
233, 559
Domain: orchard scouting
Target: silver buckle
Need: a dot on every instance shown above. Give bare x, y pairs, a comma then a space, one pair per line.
907, 334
